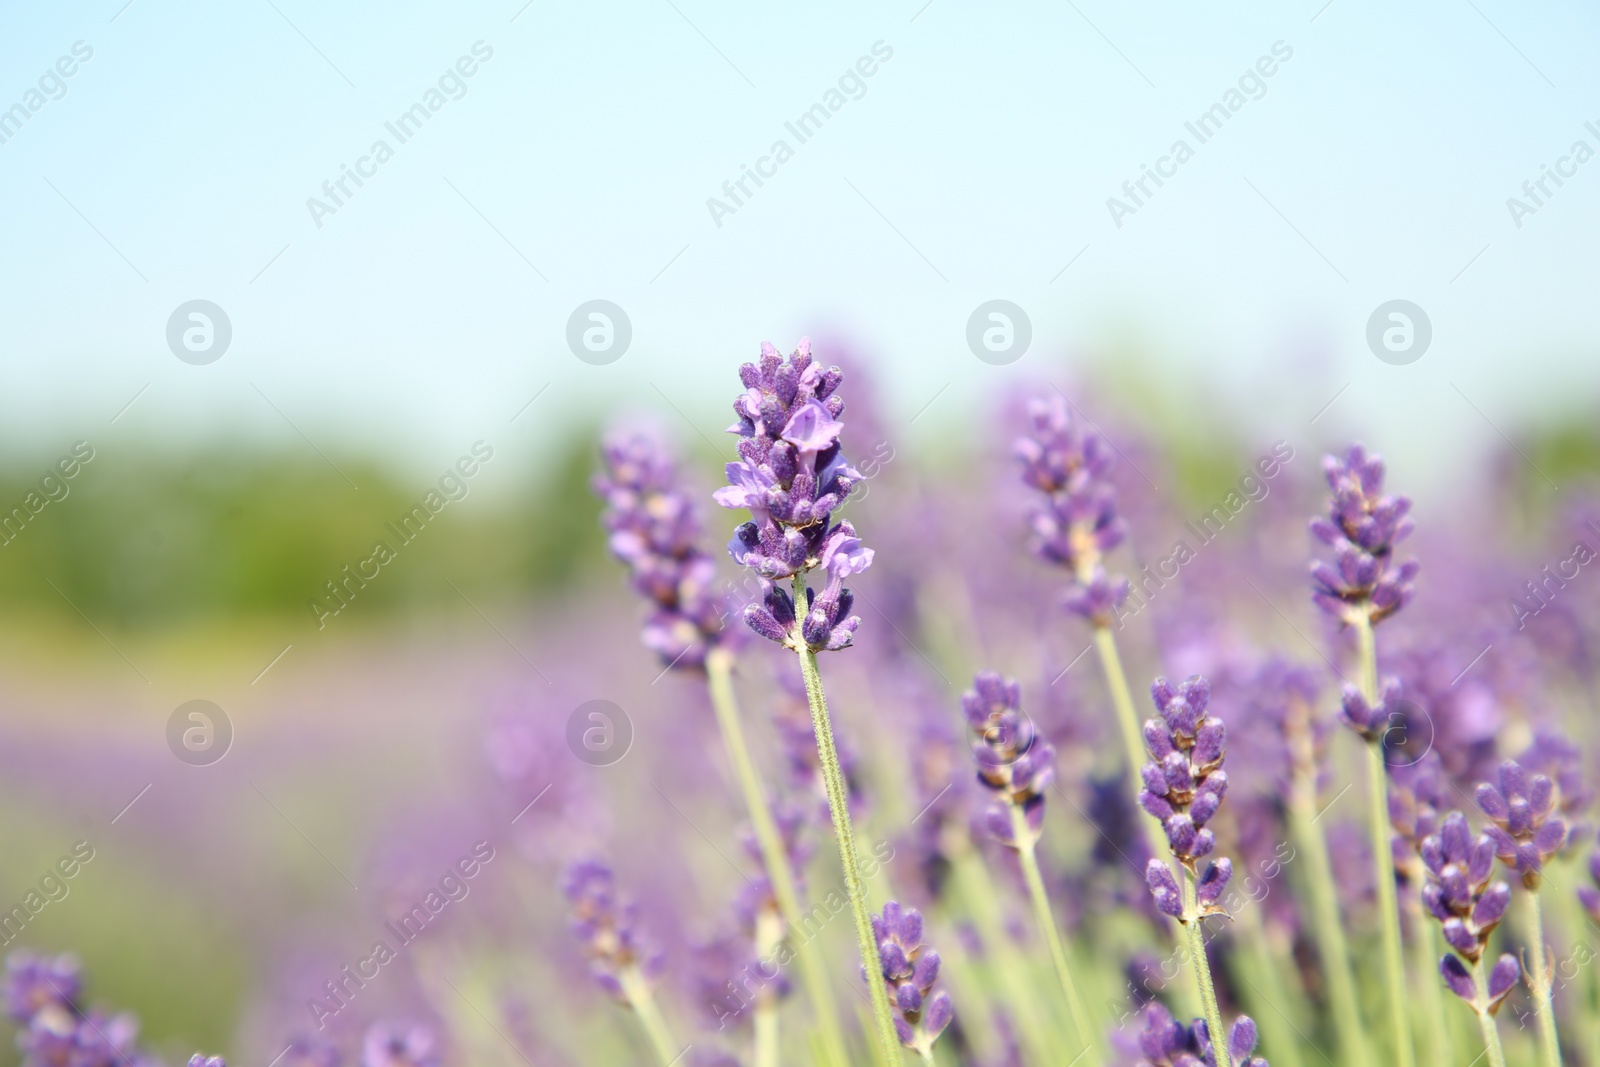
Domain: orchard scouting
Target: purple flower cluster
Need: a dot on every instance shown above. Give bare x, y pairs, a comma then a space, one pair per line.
1075, 522
1363, 527
1013, 760
1184, 784
399, 1045
1371, 721
791, 476
607, 927
1526, 828
910, 970
652, 528
1165, 1042
1459, 895
54, 1030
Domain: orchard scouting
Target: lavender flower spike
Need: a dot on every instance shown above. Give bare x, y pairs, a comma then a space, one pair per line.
1459, 895
909, 971
1165, 1042
1527, 828
1014, 762
654, 531
1076, 522
607, 927
791, 476
1363, 527
1184, 783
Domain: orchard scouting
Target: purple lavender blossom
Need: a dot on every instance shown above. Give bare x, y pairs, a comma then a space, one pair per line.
1363, 527
200, 1060
1014, 762
1162, 1041
1416, 803
34, 982
654, 531
909, 970
1184, 784
607, 927
1075, 522
1526, 828
1459, 895
1589, 895
791, 476
398, 1045
1371, 721
58, 1038
1553, 755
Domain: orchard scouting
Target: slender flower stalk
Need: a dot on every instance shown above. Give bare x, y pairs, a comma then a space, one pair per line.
655, 532
1017, 766
1365, 587
791, 476
1527, 831
1183, 786
623, 964
1460, 896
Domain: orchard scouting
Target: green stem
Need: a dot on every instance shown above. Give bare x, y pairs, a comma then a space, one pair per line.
1486, 1026
1425, 951
1195, 939
1543, 1008
1105, 643
769, 935
719, 680
1328, 930
1383, 858
1023, 836
643, 1001
838, 807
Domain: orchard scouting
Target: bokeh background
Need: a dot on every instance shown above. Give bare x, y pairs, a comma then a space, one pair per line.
374, 346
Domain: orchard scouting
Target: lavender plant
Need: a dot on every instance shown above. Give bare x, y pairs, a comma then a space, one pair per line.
654, 530
1183, 786
1460, 896
1162, 1041
909, 970
791, 476
1365, 586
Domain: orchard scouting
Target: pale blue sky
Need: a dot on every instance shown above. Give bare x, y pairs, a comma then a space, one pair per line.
977, 164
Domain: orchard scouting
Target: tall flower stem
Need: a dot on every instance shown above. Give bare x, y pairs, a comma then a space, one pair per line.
1486, 1026
1543, 1008
1023, 835
849, 859
1328, 930
642, 999
1195, 941
719, 678
1383, 857
1425, 949
1105, 643
769, 934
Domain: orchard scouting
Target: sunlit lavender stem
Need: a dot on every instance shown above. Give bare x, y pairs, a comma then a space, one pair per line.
1024, 835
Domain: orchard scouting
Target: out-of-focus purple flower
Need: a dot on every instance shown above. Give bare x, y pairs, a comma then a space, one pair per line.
1553, 755
1416, 802
1460, 896
607, 927
1589, 895
655, 532
1014, 762
389, 1044
791, 475
34, 982
1075, 522
909, 970
201, 1060
1164, 1042
1184, 784
1363, 526
1526, 828
312, 1052
1370, 721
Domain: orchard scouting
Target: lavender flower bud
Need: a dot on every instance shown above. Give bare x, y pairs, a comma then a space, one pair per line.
1184, 783
1458, 894
1503, 979
607, 927
1458, 978
791, 476
1164, 888
1527, 830
1014, 762
1370, 722
1363, 527
1075, 521
910, 970
654, 532
1165, 1042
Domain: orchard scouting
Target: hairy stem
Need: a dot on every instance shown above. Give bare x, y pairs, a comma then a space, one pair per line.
838, 807
1195, 940
1022, 834
1486, 1026
1105, 643
1383, 858
1543, 1008
643, 1001
719, 679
